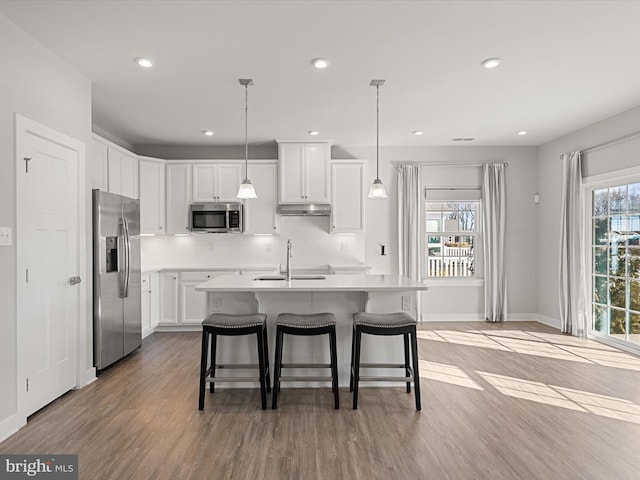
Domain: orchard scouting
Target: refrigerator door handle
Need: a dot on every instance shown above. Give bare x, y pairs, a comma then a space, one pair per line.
122, 258
127, 256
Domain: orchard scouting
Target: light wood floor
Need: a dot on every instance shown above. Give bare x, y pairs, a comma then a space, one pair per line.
512, 401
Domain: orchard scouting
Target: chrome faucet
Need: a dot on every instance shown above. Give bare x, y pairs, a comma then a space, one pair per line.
288, 271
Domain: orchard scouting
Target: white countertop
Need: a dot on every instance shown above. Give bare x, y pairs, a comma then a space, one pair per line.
332, 283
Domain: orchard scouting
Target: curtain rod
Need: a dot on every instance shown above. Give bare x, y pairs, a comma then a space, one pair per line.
449, 164
608, 142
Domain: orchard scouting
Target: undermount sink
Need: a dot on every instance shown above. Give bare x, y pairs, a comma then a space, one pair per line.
293, 277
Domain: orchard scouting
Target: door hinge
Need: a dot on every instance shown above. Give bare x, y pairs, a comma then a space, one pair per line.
26, 275
26, 164
27, 384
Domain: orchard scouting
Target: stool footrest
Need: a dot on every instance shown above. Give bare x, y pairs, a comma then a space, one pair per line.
386, 379
306, 365
238, 366
231, 379
304, 379
383, 365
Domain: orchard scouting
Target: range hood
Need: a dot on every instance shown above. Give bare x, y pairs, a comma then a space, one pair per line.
320, 209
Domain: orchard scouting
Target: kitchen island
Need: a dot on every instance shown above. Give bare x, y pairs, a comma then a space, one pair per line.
341, 295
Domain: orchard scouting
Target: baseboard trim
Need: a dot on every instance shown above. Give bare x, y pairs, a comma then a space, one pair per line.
478, 317
89, 377
196, 327
552, 322
11, 425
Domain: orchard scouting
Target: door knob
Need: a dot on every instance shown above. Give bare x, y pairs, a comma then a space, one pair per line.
74, 280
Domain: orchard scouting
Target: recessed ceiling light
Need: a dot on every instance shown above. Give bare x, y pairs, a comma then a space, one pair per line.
522, 132
313, 132
208, 133
491, 62
417, 132
144, 62
320, 63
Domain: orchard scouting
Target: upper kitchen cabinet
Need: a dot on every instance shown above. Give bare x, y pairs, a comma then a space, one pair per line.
123, 172
178, 197
303, 172
347, 196
260, 213
152, 190
98, 164
216, 182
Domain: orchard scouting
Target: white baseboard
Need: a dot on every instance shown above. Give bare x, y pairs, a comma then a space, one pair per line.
196, 327
451, 317
11, 425
552, 322
89, 377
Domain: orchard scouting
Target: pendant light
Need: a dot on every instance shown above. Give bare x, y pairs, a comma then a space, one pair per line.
377, 189
246, 189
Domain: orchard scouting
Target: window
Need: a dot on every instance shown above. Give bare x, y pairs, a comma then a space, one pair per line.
615, 256
451, 234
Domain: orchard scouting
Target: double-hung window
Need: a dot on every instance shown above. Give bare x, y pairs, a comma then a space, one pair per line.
451, 233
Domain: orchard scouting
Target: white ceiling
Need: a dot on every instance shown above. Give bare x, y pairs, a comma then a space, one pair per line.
565, 65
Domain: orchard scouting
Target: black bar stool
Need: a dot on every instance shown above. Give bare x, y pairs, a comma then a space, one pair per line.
400, 323
305, 324
234, 325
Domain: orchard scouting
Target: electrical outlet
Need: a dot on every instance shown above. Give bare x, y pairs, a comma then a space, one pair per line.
406, 302
216, 304
344, 246
5, 236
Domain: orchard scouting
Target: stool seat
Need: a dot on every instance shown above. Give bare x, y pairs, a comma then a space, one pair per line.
308, 320
230, 320
384, 320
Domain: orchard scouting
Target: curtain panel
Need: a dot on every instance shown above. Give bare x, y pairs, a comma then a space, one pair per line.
409, 221
494, 217
573, 295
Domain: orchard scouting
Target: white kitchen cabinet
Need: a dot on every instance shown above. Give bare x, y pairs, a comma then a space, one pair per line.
216, 182
123, 173
303, 172
347, 196
193, 304
168, 288
152, 191
149, 305
178, 196
260, 213
98, 164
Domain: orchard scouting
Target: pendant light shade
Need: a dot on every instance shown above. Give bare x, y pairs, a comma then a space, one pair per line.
246, 189
377, 189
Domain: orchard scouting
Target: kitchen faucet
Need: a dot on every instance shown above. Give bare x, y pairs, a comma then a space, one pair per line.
287, 272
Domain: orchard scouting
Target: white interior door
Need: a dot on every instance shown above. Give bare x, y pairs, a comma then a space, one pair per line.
48, 256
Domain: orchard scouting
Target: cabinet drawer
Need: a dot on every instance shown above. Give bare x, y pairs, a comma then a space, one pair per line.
203, 276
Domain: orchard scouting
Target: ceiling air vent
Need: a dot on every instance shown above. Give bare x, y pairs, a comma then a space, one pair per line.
462, 139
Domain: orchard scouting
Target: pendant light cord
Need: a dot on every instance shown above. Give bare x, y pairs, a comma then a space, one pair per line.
246, 138
377, 132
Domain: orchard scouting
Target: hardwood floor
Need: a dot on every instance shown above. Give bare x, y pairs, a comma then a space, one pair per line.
506, 401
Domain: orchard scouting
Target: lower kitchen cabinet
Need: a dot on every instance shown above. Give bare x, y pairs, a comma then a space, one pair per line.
168, 287
150, 306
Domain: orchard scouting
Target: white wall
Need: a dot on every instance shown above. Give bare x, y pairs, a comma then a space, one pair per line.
382, 224
608, 159
38, 85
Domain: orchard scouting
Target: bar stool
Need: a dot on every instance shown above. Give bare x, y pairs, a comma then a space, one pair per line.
400, 323
306, 325
234, 325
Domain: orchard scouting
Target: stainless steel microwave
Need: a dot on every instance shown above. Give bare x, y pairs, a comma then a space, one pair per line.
216, 217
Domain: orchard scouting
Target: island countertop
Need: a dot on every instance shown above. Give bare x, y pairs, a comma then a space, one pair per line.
332, 283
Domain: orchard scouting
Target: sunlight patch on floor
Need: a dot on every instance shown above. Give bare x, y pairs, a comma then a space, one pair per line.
447, 374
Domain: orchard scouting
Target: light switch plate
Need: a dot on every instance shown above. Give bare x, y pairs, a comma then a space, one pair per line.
5, 236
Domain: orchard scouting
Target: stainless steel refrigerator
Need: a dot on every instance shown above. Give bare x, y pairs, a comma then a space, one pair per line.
117, 328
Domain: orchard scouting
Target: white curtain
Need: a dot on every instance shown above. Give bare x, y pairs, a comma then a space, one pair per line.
573, 314
409, 221
494, 216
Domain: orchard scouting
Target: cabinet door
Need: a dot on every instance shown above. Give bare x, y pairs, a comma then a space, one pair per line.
178, 197
151, 196
168, 298
194, 303
129, 176
291, 171
260, 213
144, 306
115, 170
98, 165
227, 180
317, 172
154, 301
347, 197
204, 183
